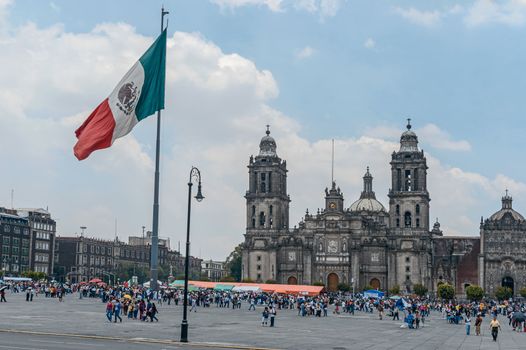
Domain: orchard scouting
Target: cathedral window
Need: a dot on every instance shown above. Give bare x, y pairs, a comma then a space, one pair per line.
258, 258
262, 219
270, 210
407, 219
415, 179
253, 223
269, 182
407, 259
270, 222
408, 180
397, 222
259, 267
407, 269
263, 183
253, 210
417, 209
417, 222
398, 179
397, 209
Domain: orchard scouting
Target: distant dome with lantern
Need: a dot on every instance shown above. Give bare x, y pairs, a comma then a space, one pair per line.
367, 201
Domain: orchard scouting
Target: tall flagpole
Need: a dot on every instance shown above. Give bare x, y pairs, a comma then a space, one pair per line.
154, 253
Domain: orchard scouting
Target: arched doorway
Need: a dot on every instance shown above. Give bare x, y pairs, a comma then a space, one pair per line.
332, 282
508, 282
292, 280
375, 283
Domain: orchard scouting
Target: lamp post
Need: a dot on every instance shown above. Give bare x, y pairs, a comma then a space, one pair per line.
196, 175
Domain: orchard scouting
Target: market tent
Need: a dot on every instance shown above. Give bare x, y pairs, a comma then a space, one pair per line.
95, 280
254, 289
147, 284
223, 287
373, 294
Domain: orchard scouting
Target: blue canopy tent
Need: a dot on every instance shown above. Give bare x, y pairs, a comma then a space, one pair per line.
373, 294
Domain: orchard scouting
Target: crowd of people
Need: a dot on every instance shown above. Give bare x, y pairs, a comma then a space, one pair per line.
136, 303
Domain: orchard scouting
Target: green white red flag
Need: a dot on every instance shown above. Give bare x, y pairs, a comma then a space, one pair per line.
139, 94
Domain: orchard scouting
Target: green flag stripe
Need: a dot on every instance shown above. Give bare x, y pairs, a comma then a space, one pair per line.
154, 64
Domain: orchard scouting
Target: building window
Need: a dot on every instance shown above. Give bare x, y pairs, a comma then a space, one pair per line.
16, 229
259, 267
407, 259
253, 210
263, 184
397, 209
270, 209
407, 219
397, 222
407, 277
6, 240
408, 180
417, 209
253, 223
7, 228
259, 277
259, 257
262, 219
407, 269
417, 222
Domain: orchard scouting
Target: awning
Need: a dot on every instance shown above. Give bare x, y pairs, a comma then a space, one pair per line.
223, 287
254, 289
373, 294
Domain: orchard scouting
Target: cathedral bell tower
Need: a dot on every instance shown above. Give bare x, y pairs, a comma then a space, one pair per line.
267, 212
267, 199
409, 215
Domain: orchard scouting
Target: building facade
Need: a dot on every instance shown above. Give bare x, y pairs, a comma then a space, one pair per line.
213, 270
368, 245
15, 240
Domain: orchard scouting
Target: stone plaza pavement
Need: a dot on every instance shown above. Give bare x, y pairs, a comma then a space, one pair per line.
242, 327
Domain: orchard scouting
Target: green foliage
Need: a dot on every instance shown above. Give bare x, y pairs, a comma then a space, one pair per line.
474, 293
503, 293
247, 280
126, 270
36, 276
233, 263
227, 279
523, 292
394, 290
319, 284
344, 287
420, 289
204, 278
271, 281
446, 291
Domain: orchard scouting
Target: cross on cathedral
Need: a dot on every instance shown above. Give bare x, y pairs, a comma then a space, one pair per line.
268, 129
408, 123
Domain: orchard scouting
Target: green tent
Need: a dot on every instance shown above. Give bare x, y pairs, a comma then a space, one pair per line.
224, 287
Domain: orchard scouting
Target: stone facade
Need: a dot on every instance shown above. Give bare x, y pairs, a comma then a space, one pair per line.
366, 244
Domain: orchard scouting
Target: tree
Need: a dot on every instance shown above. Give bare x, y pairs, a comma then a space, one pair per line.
474, 293
247, 280
446, 291
394, 289
34, 275
523, 292
503, 293
233, 263
344, 287
420, 289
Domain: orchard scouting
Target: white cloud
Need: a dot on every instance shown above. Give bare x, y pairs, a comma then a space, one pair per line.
440, 139
273, 5
369, 43
325, 8
54, 6
510, 12
420, 17
306, 52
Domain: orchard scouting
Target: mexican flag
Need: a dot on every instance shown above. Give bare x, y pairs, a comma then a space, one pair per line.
138, 95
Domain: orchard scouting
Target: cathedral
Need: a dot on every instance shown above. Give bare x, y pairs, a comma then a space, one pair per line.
367, 244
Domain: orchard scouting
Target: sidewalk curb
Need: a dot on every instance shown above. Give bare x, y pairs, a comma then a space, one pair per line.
137, 340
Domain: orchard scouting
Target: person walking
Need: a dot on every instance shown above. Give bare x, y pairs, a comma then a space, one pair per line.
467, 322
494, 326
109, 310
272, 316
153, 312
252, 305
396, 314
117, 310
264, 316
478, 322
2, 296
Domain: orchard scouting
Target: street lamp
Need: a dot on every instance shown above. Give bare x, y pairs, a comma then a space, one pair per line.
196, 175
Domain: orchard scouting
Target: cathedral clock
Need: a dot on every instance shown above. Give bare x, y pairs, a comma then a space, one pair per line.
332, 205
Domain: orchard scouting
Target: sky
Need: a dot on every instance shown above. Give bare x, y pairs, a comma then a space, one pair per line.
315, 70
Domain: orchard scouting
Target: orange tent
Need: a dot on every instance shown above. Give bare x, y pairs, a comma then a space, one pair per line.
296, 289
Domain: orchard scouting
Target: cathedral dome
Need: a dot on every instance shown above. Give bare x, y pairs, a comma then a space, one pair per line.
267, 145
408, 140
367, 204
506, 209
367, 201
